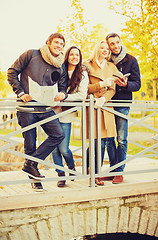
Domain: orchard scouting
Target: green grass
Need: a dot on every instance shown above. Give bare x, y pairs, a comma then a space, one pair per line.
7, 131
75, 142
139, 129
132, 149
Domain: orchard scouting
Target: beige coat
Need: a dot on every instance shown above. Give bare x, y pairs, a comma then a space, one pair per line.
96, 74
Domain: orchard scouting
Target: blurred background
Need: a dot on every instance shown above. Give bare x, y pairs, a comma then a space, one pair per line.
27, 24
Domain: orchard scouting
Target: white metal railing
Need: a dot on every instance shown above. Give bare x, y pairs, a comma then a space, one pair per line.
145, 106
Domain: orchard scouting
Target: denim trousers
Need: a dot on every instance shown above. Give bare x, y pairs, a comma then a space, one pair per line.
52, 128
110, 144
63, 149
122, 134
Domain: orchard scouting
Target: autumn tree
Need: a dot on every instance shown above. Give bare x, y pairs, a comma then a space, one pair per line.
97, 33
140, 36
5, 88
75, 27
78, 32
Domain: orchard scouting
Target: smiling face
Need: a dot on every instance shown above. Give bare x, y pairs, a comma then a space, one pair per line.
56, 46
115, 45
74, 57
103, 51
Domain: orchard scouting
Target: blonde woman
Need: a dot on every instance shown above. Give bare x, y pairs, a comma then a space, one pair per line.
102, 86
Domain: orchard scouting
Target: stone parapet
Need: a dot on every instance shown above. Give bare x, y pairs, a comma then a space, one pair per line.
73, 220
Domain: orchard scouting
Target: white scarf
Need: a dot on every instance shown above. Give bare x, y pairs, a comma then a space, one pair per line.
49, 58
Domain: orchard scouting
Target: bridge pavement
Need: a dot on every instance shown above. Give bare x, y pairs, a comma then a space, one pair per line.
21, 195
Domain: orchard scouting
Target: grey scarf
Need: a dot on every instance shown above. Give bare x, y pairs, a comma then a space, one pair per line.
117, 59
50, 59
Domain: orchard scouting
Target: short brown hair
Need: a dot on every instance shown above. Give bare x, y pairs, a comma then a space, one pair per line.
55, 35
110, 35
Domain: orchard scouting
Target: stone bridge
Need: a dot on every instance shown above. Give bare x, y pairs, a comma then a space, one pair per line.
79, 210
73, 213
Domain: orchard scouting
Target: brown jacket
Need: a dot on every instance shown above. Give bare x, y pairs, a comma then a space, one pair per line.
96, 74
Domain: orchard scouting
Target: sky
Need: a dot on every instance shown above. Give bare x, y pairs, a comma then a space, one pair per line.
26, 24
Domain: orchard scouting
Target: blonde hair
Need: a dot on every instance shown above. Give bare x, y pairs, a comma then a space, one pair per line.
95, 54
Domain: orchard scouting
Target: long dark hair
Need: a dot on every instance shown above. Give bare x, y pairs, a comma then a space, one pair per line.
74, 81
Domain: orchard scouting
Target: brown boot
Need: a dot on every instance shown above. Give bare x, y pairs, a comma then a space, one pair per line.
31, 170
110, 178
117, 179
99, 182
61, 183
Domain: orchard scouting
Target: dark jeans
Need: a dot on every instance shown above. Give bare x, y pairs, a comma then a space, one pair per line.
52, 129
105, 142
122, 134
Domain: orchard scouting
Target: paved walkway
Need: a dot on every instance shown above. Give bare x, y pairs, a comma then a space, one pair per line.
20, 195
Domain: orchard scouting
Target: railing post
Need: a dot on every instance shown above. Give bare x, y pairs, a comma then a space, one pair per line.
91, 142
99, 140
84, 136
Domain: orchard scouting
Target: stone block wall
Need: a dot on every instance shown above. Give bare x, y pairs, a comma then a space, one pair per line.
137, 214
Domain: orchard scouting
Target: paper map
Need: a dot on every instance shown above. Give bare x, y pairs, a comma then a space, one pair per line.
43, 94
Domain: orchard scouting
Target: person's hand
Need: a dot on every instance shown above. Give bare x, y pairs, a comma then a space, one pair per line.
120, 79
99, 102
59, 97
121, 82
107, 82
26, 98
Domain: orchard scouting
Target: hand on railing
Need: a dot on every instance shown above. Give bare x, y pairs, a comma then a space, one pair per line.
26, 98
59, 97
99, 102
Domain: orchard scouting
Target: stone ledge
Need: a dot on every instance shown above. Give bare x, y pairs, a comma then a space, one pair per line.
76, 195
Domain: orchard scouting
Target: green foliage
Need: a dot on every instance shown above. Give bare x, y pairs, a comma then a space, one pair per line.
5, 88
97, 34
141, 37
75, 26
78, 32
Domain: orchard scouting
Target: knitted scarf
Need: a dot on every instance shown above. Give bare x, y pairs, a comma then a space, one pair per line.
49, 58
116, 59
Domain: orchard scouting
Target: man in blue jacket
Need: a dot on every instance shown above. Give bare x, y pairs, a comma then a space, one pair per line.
124, 88
45, 67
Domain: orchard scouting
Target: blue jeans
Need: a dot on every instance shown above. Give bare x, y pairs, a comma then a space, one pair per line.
122, 134
63, 149
52, 129
104, 143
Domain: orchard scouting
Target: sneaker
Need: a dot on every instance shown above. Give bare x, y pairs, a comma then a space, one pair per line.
117, 179
37, 186
32, 172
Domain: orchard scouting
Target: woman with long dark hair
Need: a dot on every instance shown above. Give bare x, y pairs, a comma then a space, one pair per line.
77, 90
